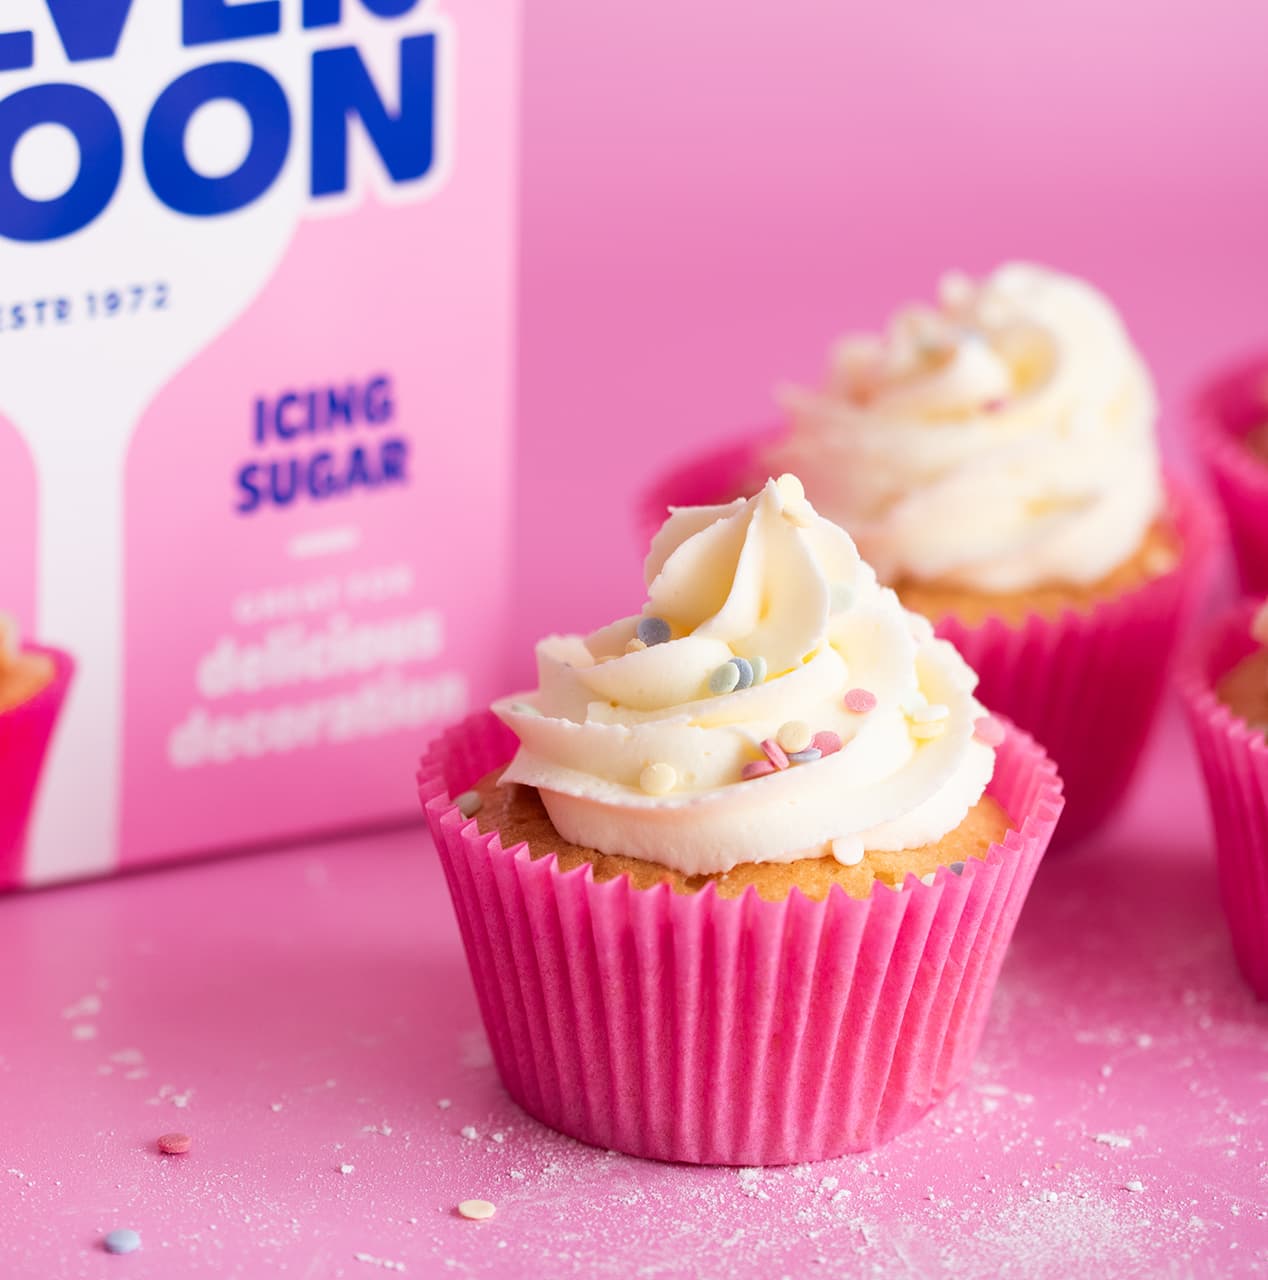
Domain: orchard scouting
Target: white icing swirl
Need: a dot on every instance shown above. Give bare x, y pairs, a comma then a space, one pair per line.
764, 578
999, 442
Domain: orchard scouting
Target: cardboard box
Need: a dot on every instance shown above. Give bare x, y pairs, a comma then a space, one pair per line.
256, 277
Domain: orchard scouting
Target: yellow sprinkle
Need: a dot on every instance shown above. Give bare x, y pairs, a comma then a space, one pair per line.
635, 646
931, 729
796, 735
1259, 627
477, 1210
930, 714
790, 488
658, 779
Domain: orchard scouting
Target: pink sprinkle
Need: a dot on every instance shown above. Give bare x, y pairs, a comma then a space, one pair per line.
988, 730
860, 700
756, 769
993, 406
775, 753
827, 742
174, 1144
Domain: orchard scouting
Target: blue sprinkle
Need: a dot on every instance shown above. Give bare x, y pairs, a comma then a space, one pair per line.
725, 678
653, 631
759, 669
804, 757
958, 868
124, 1240
745, 669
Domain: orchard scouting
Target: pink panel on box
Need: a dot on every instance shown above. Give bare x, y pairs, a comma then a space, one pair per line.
17, 528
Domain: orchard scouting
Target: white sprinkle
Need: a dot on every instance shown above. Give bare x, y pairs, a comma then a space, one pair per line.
469, 803
848, 850
790, 488
88, 1007
477, 1210
1048, 1197
931, 714
469, 1132
444, 1103
498, 1137
83, 1031
386, 1263
1134, 1185
346, 1169
658, 779
275, 1106
1113, 1140
517, 1174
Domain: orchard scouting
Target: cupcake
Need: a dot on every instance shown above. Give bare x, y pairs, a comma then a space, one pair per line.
736, 879
33, 683
1225, 685
994, 458
1230, 430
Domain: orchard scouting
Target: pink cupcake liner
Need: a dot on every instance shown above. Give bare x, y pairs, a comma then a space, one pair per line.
729, 1031
25, 732
1223, 412
1086, 685
1235, 765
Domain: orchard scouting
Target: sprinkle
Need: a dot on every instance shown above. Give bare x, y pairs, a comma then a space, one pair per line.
860, 700
826, 742
524, 709
840, 597
799, 513
1259, 625
469, 803
444, 1103
993, 406
1112, 1140
477, 1210
848, 850
122, 1240
653, 631
775, 753
1134, 1185
756, 769
957, 867
658, 779
988, 730
924, 731
930, 714
175, 1144
804, 757
928, 877
790, 488
745, 668
346, 1169
725, 678
635, 646
759, 669
795, 735
470, 1132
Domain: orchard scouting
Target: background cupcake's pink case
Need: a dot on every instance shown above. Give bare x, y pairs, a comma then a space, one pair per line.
245, 675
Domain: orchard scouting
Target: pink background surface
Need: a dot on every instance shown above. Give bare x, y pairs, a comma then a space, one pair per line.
711, 192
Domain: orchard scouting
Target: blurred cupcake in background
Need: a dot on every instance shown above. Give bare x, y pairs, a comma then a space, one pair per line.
736, 879
995, 458
1229, 422
33, 684
1224, 680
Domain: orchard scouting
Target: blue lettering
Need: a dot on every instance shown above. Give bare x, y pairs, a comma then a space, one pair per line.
100, 143
174, 180
342, 87
328, 13
250, 491
213, 21
89, 29
17, 50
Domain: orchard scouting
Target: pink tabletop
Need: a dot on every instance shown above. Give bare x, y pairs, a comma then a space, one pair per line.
307, 1019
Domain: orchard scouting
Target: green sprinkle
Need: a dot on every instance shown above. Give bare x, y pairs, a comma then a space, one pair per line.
759, 669
725, 678
469, 803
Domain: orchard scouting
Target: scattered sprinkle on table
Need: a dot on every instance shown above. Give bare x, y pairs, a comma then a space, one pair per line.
469, 1132
122, 1240
175, 1144
477, 1210
1113, 1140
1134, 1185
346, 1169
469, 803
